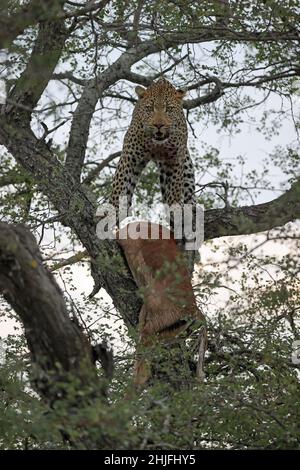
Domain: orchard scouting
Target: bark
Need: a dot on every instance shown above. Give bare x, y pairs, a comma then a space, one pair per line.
62, 359
253, 219
77, 211
33, 293
61, 184
13, 24
46, 52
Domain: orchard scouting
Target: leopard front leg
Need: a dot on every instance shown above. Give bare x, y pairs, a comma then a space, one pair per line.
178, 186
172, 188
188, 180
177, 182
171, 182
128, 171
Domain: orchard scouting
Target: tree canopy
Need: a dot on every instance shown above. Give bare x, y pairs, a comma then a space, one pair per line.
69, 70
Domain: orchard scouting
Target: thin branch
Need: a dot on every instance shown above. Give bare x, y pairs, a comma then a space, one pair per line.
96, 171
68, 76
69, 261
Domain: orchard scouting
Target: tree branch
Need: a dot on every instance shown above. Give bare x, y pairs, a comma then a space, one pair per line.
68, 76
62, 357
27, 91
62, 185
121, 69
34, 295
109, 267
213, 95
14, 176
93, 174
14, 23
78, 211
253, 219
71, 260
92, 92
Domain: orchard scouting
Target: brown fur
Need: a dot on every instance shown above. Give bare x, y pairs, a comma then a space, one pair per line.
160, 272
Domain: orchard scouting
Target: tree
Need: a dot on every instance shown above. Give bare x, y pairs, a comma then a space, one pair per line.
70, 69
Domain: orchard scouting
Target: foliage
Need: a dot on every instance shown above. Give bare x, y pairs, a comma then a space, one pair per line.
248, 289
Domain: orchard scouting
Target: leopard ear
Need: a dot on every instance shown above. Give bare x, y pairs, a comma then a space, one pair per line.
181, 93
140, 91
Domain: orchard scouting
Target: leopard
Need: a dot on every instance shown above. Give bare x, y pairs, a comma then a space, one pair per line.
157, 132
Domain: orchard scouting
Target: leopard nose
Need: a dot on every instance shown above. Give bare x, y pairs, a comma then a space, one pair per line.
161, 132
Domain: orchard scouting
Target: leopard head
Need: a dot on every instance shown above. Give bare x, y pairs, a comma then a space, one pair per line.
159, 109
